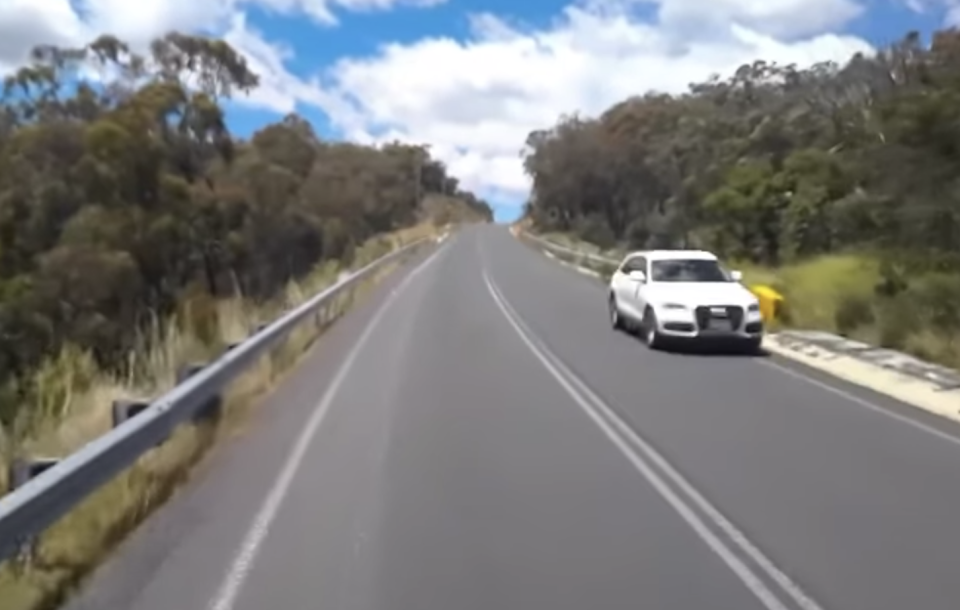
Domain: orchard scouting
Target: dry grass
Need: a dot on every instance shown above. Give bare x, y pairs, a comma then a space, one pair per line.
447, 209
74, 407
814, 289
834, 293
568, 241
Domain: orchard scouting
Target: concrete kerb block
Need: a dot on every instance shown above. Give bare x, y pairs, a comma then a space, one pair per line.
212, 408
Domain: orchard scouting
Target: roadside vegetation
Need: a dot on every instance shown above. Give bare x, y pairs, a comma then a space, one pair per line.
138, 235
839, 185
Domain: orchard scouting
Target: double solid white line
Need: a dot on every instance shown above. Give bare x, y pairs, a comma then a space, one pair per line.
759, 574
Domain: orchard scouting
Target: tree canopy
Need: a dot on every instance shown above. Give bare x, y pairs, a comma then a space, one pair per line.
122, 190
846, 169
772, 163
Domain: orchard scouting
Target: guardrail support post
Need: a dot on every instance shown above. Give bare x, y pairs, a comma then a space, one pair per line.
125, 408
24, 517
21, 471
212, 408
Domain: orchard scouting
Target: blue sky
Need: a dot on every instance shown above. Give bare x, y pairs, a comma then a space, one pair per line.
473, 77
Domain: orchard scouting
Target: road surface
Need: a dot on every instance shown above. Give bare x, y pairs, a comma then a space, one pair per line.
475, 437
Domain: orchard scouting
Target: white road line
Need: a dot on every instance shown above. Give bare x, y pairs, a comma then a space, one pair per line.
919, 425
714, 514
905, 419
233, 581
620, 434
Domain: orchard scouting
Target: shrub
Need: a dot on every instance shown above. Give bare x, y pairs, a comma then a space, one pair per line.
854, 311
898, 319
937, 299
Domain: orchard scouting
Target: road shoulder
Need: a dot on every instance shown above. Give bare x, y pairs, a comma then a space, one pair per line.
930, 388
180, 552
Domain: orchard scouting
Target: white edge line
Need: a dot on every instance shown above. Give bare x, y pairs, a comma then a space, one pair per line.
863, 402
906, 419
753, 583
243, 561
713, 513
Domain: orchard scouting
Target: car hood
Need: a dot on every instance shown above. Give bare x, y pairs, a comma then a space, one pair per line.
693, 294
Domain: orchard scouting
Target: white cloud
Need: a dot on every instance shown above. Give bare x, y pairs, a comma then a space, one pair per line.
279, 90
949, 8
477, 100
786, 19
473, 100
27, 23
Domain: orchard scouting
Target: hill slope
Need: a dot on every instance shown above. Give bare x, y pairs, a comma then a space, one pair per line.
121, 201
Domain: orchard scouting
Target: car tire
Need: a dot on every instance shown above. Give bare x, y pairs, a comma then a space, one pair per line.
753, 347
651, 337
616, 319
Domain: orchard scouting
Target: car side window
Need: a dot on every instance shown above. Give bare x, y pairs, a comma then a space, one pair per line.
640, 264
635, 263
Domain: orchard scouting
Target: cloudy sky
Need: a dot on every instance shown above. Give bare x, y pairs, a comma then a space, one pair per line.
473, 77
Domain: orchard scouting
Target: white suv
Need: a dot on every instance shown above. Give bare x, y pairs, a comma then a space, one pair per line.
683, 294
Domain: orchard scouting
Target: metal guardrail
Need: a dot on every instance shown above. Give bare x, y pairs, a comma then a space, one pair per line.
570, 252
943, 378
55, 487
770, 301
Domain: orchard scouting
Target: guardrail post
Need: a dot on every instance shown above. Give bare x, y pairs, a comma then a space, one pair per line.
212, 408
21, 471
327, 313
23, 517
123, 409
320, 318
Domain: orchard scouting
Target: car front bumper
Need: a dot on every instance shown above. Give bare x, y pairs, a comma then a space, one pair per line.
683, 324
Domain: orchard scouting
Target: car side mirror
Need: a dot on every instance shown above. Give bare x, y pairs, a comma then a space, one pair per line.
637, 275
736, 276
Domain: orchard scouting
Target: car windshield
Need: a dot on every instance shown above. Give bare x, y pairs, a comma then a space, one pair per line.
688, 270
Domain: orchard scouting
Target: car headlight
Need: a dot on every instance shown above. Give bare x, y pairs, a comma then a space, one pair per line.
753, 307
673, 306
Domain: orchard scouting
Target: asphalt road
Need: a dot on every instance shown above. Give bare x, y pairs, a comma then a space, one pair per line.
474, 436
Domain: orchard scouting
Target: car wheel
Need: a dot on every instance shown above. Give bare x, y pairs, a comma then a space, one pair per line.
616, 320
753, 346
649, 327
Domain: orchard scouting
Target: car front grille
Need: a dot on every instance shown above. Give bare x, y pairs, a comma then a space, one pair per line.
731, 312
736, 315
703, 316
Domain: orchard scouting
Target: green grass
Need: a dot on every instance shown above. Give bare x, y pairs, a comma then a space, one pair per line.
836, 293
73, 407
568, 241
814, 289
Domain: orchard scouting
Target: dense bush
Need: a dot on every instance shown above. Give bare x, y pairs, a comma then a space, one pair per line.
782, 167
123, 195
